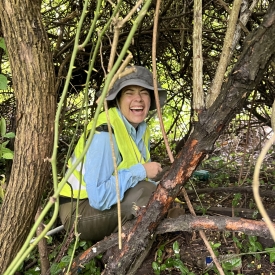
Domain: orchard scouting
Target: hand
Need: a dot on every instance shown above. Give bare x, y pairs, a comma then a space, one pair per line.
152, 169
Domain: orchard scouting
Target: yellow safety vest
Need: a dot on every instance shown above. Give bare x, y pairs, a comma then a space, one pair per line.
126, 146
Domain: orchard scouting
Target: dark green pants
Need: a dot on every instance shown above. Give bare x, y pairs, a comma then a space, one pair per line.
94, 225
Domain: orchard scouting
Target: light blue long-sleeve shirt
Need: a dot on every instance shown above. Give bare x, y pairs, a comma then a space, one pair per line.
99, 168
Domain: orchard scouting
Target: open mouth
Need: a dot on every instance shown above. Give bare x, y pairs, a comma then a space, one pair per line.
137, 109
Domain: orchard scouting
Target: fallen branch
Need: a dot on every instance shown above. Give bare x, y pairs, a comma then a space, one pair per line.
235, 189
90, 253
194, 223
227, 211
182, 223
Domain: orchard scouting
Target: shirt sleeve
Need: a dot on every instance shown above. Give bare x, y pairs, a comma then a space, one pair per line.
99, 169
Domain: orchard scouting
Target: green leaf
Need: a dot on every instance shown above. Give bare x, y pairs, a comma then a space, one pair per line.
159, 253
271, 252
162, 267
64, 261
272, 257
3, 82
5, 153
227, 266
259, 246
3, 145
252, 239
3, 127
155, 266
179, 264
3, 44
9, 135
2, 193
55, 269
216, 245
176, 247
7, 156
231, 262
32, 272
82, 243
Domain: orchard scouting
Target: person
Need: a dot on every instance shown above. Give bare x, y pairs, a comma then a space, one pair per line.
130, 100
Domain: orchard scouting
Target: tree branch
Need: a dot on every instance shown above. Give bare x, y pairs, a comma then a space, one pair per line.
182, 223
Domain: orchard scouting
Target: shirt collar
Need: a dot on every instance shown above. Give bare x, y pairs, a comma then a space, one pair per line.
135, 134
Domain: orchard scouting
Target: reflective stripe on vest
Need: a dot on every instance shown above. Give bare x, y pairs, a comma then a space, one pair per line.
126, 146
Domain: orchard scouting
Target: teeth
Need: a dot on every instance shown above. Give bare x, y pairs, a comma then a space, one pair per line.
137, 108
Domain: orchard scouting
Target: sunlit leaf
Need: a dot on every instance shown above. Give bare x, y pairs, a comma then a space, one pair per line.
7, 156
9, 135
2, 127
3, 82
3, 44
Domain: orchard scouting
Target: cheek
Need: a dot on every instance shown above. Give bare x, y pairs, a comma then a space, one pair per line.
121, 102
124, 105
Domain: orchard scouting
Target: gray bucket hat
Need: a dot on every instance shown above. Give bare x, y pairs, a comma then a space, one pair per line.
141, 77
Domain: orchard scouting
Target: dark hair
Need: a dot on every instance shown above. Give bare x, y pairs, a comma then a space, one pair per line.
113, 103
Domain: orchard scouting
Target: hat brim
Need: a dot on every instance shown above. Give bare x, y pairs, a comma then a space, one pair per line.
162, 99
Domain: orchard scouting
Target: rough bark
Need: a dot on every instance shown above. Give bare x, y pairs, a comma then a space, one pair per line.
259, 51
33, 84
194, 223
238, 212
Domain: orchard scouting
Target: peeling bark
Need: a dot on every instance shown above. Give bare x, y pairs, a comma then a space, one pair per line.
183, 223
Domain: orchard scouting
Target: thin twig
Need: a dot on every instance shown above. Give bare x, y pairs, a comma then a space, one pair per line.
115, 42
132, 11
226, 50
154, 50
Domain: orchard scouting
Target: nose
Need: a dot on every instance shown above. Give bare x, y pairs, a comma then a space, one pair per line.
138, 96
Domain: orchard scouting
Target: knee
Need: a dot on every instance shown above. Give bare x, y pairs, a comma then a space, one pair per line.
148, 186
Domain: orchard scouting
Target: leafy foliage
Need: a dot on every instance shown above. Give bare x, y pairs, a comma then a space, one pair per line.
3, 78
173, 262
5, 153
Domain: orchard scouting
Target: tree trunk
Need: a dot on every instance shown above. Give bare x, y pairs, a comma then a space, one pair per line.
259, 51
33, 84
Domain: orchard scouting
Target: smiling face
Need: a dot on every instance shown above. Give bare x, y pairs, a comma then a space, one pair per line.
134, 103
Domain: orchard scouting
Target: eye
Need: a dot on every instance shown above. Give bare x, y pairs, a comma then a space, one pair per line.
144, 92
128, 92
